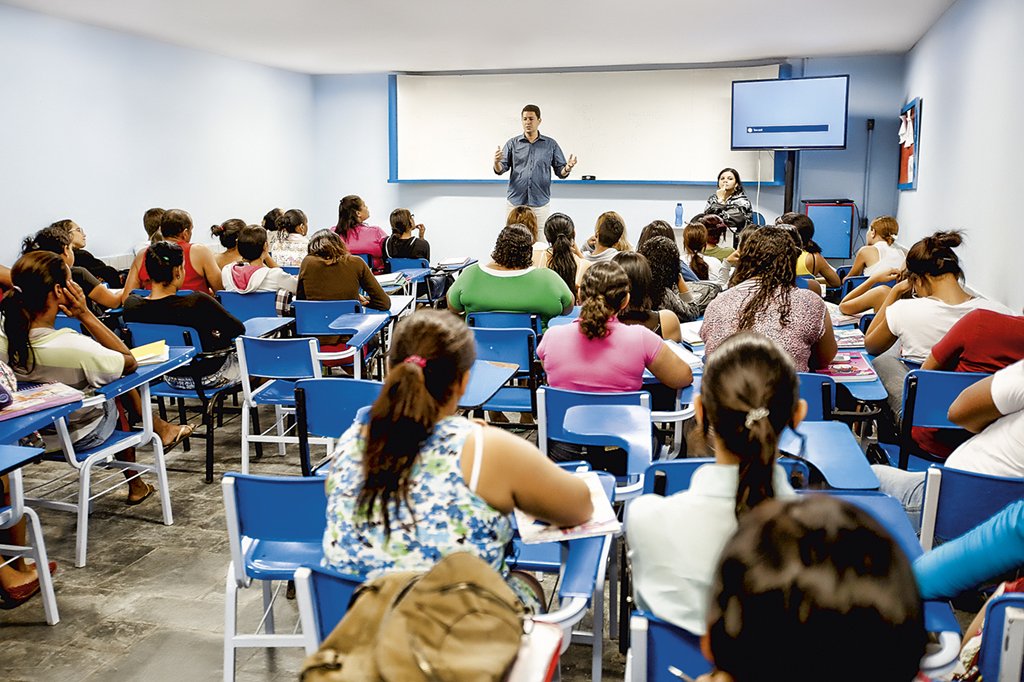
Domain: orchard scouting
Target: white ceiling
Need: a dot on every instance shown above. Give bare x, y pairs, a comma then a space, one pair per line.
341, 36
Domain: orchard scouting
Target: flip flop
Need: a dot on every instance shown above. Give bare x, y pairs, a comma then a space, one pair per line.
184, 431
149, 491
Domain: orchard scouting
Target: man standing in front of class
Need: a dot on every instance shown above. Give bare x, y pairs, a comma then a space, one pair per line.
531, 157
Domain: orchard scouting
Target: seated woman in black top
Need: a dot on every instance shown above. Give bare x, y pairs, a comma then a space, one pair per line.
401, 243
58, 240
662, 322
216, 326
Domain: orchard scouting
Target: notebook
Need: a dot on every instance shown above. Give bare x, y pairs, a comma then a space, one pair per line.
152, 353
603, 522
35, 397
695, 363
849, 368
849, 338
453, 261
839, 318
690, 332
392, 279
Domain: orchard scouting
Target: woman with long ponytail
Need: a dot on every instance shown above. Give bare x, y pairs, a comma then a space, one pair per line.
748, 396
416, 482
562, 255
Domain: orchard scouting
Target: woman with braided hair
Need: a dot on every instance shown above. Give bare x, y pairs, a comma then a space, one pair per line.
562, 255
749, 395
763, 297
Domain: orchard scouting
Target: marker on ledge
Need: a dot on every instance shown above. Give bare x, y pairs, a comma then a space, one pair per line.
589, 177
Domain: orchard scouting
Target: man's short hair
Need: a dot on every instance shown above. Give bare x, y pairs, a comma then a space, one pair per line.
531, 108
609, 229
251, 241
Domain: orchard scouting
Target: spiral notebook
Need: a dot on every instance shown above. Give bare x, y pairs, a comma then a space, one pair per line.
848, 368
36, 397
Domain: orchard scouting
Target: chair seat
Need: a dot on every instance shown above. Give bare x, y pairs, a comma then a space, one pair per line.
277, 392
116, 439
165, 390
277, 560
546, 557
915, 463
510, 399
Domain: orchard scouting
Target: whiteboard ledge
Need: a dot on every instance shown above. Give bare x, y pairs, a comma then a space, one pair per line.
705, 183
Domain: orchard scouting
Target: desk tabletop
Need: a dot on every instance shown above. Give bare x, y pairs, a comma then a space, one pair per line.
485, 378
624, 426
12, 430
14, 457
833, 449
415, 274
176, 357
457, 267
362, 326
265, 326
399, 304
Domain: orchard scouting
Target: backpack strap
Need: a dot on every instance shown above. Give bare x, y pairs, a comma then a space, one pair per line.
478, 456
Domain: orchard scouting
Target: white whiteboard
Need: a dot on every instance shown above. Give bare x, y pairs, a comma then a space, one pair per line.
642, 126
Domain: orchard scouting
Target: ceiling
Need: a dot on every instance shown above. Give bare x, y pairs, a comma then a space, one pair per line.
341, 36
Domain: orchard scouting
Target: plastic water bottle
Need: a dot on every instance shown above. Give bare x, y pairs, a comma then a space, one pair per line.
679, 215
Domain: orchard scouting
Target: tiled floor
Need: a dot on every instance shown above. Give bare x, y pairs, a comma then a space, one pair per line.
149, 605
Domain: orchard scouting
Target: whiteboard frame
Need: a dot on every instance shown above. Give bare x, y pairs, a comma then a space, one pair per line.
785, 71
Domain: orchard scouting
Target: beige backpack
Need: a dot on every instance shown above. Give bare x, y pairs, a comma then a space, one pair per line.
458, 621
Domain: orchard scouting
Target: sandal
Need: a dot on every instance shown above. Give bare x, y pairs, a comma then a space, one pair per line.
149, 491
184, 431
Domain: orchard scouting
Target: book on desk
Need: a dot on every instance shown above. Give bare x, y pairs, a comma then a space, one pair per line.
849, 367
392, 279
839, 318
34, 397
690, 333
453, 262
604, 521
849, 338
152, 353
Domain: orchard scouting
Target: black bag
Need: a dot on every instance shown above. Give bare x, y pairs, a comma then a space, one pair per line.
703, 293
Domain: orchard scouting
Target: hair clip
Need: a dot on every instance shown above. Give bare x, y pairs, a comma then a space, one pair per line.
416, 360
754, 415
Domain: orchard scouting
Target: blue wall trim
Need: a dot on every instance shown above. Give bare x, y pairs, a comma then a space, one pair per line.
392, 128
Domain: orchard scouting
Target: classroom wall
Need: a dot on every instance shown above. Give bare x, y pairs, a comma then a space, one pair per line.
99, 126
967, 71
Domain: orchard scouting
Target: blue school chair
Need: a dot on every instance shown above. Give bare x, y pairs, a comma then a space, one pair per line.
1001, 654
291, 269
757, 218
12, 457
505, 320
843, 270
517, 346
423, 292
252, 304
865, 322
956, 501
326, 408
276, 525
211, 399
313, 318
819, 390
673, 476
927, 395
803, 281
281, 362
323, 596
659, 651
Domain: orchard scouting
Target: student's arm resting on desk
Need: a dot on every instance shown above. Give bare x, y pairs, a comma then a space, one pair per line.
73, 303
514, 473
378, 299
982, 403
879, 337
669, 369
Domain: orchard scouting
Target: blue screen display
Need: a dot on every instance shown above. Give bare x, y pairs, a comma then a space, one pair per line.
796, 113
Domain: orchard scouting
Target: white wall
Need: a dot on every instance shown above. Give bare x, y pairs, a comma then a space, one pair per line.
966, 70
99, 126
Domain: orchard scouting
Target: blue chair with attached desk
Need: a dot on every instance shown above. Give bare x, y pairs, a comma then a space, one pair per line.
12, 457
956, 501
280, 362
249, 305
211, 399
1001, 655
505, 320
275, 526
323, 596
423, 292
660, 651
313, 318
326, 408
517, 346
819, 391
927, 395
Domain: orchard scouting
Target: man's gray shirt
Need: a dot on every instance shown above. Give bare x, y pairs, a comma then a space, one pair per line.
531, 164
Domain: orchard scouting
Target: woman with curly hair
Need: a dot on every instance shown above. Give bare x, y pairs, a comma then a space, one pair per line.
764, 298
510, 283
360, 238
668, 290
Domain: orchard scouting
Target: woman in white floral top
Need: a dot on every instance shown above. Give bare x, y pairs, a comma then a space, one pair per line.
417, 482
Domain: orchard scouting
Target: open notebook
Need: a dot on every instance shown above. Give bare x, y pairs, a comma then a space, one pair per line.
850, 368
31, 398
603, 522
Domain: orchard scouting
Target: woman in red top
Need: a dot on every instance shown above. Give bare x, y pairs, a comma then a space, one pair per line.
360, 238
201, 271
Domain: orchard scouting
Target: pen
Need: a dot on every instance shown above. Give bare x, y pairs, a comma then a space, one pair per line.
676, 672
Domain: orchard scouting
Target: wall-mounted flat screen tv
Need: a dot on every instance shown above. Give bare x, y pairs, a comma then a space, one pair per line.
790, 113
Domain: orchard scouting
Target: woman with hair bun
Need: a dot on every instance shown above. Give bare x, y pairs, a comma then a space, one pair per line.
919, 309
881, 252
227, 234
749, 395
415, 482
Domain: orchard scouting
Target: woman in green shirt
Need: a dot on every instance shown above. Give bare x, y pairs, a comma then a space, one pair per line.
510, 283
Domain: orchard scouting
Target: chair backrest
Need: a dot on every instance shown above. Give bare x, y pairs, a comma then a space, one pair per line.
313, 318
803, 281
408, 263
552, 404
507, 345
852, 283
252, 304
1001, 651
660, 647
277, 358
144, 293
865, 322
819, 391
331, 404
175, 335
843, 270
757, 218
291, 269
498, 319
956, 501
927, 395
276, 508
366, 259
62, 321
673, 476
323, 599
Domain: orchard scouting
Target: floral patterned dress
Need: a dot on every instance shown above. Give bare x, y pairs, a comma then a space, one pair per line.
449, 517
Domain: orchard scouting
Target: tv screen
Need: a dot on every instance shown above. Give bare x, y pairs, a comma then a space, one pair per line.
794, 113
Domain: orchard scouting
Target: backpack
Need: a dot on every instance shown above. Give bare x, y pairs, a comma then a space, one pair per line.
703, 293
457, 621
